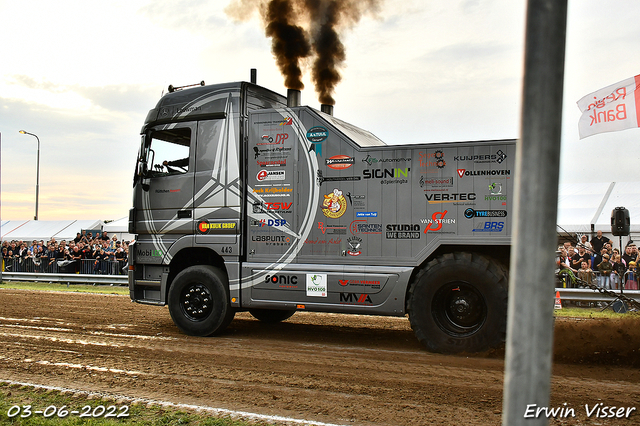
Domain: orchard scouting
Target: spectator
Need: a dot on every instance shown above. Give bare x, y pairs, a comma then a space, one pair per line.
605, 267
585, 273
580, 257
584, 242
618, 270
105, 236
630, 254
77, 256
632, 280
598, 241
78, 238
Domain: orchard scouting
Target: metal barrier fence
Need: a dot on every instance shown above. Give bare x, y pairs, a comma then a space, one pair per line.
609, 281
61, 266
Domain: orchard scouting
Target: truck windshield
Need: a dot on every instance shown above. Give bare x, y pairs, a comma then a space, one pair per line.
167, 152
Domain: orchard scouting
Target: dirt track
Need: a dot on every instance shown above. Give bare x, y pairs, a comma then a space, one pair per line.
331, 368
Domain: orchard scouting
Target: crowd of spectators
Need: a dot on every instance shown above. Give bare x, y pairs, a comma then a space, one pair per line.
598, 260
86, 253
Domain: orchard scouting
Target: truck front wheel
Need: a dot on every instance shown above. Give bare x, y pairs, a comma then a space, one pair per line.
199, 301
458, 303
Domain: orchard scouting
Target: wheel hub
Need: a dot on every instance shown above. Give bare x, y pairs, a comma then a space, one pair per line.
196, 301
459, 309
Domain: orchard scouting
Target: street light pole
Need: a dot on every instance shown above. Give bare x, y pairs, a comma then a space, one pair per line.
37, 171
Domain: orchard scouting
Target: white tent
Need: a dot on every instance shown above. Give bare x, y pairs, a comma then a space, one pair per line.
584, 208
29, 230
120, 228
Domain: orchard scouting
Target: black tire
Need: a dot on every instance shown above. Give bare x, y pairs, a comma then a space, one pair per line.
199, 301
458, 303
272, 316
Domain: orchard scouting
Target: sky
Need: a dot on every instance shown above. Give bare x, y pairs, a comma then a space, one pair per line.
82, 75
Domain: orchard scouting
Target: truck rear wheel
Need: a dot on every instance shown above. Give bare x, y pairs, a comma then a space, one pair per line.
458, 303
199, 301
272, 315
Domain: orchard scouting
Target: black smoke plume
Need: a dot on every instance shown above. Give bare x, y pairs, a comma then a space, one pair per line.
285, 22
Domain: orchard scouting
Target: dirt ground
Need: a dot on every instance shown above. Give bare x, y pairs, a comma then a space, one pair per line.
331, 368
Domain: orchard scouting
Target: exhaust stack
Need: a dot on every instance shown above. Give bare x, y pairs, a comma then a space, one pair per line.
326, 108
293, 98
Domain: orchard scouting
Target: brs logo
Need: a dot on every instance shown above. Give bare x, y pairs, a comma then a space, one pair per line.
489, 227
355, 298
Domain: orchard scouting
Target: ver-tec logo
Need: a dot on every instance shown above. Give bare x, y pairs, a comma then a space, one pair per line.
450, 198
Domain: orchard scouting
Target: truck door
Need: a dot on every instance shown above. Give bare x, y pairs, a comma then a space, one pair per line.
166, 207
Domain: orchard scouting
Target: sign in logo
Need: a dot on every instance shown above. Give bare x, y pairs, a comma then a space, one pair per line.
385, 173
266, 175
403, 232
317, 285
340, 162
489, 227
471, 213
334, 204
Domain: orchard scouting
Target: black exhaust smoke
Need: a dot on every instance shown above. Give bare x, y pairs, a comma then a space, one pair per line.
292, 44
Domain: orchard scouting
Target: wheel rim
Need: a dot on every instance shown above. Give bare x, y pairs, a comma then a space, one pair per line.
196, 302
459, 309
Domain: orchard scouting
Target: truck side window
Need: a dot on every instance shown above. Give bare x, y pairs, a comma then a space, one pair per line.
169, 152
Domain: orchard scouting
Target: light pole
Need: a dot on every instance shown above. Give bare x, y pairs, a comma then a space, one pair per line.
37, 171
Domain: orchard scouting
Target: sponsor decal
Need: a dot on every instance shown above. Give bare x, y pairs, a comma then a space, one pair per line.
355, 299
277, 207
334, 204
288, 121
437, 220
498, 157
471, 213
204, 227
372, 160
332, 229
282, 280
385, 173
149, 253
450, 198
434, 159
354, 246
271, 222
495, 188
363, 227
319, 241
489, 227
266, 175
317, 135
272, 240
340, 162
357, 201
465, 172
496, 198
320, 178
317, 285
367, 214
166, 191
403, 232
367, 283
436, 182
272, 163
274, 190
266, 140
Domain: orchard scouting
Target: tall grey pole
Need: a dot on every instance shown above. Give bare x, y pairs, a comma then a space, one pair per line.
37, 171
530, 314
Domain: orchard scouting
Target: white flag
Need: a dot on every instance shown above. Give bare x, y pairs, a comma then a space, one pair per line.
616, 107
